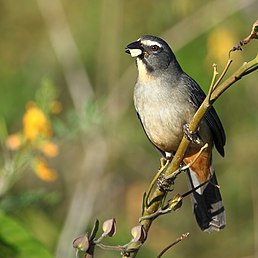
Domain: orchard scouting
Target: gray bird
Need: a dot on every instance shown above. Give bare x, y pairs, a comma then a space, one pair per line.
166, 98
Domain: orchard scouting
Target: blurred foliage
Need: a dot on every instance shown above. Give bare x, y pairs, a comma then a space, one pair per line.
98, 154
17, 242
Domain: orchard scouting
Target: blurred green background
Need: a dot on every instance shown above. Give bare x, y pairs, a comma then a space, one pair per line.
105, 161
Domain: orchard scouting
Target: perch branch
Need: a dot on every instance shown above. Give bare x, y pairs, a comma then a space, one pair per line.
157, 196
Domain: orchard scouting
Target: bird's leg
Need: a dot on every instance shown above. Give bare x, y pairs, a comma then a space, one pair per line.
165, 184
193, 137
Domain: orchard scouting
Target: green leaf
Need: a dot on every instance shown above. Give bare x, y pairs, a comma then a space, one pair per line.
94, 230
15, 237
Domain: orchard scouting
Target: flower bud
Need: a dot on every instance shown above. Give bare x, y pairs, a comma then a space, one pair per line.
109, 227
138, 233
81, 243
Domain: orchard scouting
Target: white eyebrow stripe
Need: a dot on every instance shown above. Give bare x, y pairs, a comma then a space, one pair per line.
149, 42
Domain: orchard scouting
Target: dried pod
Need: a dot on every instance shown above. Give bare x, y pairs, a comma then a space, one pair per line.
109, 227
138, 233
81, 243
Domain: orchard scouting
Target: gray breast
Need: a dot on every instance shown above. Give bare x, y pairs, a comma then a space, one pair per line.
163, 111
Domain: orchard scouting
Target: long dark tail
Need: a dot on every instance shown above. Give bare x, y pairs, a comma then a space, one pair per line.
207, 203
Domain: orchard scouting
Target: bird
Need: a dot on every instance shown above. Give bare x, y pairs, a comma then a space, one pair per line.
166, 99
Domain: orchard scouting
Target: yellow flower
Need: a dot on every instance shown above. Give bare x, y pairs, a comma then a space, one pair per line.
35, 123
43, 171
49, 149
14, 141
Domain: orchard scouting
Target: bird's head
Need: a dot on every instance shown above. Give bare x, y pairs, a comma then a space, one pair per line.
152, 54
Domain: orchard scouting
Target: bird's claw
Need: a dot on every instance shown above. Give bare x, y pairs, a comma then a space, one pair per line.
164, 184
193, 137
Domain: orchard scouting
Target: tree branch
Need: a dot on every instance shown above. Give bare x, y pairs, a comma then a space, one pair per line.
174, 243
158, 195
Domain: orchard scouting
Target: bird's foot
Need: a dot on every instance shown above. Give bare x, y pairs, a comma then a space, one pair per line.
193, 137
165, 184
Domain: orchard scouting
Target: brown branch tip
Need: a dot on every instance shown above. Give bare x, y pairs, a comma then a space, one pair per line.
252, 35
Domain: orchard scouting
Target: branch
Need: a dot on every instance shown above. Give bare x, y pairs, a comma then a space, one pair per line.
253, 35
153, 204
154, 200
158, 195
174, 243
241, 72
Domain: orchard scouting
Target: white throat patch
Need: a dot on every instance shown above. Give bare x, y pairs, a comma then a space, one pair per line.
143, 73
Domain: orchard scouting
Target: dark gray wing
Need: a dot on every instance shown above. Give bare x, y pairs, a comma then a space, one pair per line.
197, 97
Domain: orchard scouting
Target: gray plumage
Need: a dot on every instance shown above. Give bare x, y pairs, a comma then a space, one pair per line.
166, 99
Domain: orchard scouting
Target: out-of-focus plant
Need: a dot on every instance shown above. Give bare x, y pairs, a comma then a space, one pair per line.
33, 144
16, 241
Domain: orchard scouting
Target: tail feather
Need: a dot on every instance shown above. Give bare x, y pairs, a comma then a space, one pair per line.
207, 203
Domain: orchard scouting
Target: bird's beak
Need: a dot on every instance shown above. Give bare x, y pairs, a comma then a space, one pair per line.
134, 49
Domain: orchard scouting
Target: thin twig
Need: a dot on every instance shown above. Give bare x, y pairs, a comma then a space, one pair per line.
215, 73
113, 248
195, 188
236, 76
180, 170
160, 171
194, 160
185, 235
156, 214
222, 74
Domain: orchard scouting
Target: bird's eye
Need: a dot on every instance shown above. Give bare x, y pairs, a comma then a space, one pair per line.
155, 48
